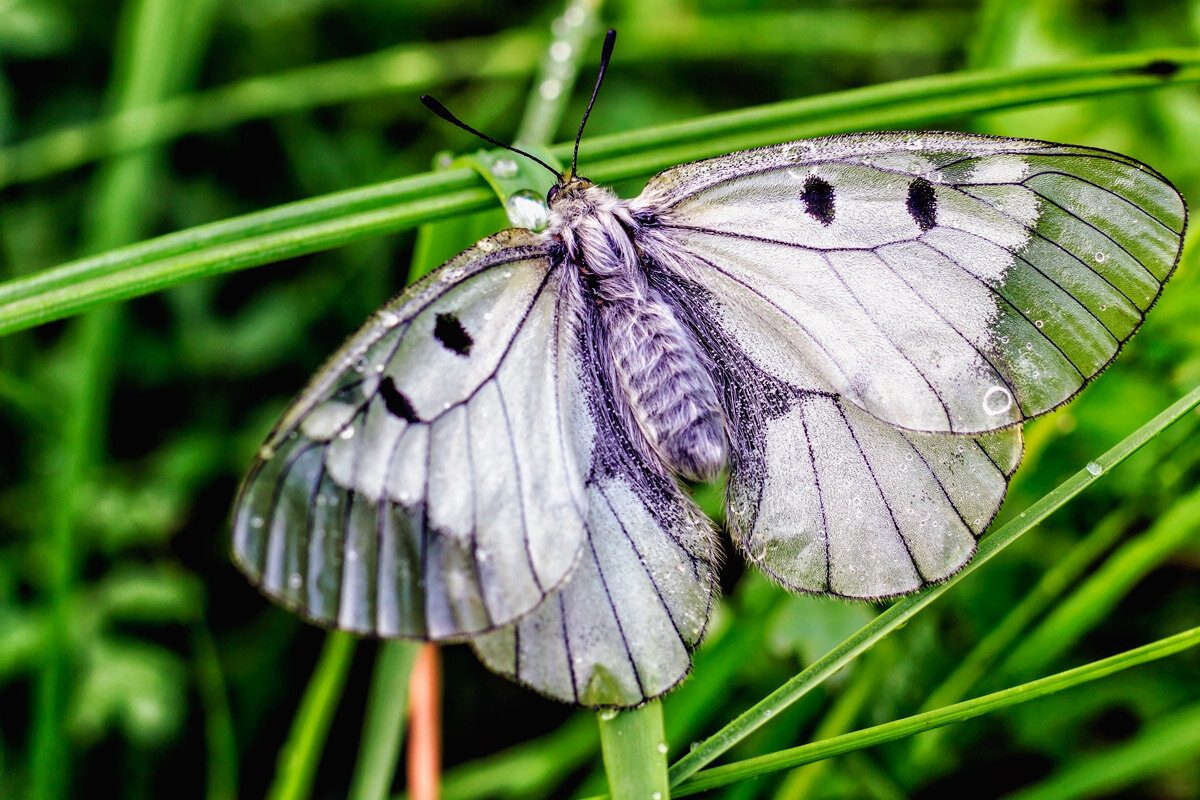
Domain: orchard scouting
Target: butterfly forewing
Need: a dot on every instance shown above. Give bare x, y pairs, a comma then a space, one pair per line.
942, 283
429, 482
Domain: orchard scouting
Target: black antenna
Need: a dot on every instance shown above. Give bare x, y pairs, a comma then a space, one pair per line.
444, 113
605, 54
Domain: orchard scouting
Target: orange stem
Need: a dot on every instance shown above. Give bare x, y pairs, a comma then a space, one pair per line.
425, 736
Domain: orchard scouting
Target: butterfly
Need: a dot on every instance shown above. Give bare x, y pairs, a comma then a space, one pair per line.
850, 329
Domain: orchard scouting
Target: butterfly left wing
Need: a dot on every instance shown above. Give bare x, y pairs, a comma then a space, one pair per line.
939, 282
621, 629
428, 482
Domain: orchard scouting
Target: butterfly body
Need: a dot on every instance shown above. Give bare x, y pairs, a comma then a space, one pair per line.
660, 378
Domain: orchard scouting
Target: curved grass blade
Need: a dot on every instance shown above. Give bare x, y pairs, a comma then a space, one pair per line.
899, 729
906, 608
332, 220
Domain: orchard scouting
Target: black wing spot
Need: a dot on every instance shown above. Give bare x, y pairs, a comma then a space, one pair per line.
1160, 68
450, 332
818, 199
922, 204
397, 404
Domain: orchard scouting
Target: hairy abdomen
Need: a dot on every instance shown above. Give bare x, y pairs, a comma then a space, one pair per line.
668, 386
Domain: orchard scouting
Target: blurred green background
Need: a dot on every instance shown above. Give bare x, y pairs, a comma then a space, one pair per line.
135, 659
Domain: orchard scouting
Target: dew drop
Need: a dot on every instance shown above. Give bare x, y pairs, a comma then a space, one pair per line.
1003, 340
608, 714
256, 522
997, 400
347, 432
526, 209
550, 89
360, 364
1093, 468
1100, 257
1029, 345
389, 319
504, 167
662, 748
295, 580
1039, 323
560, 51
266, 452
656, 795
574, 16
1104, 307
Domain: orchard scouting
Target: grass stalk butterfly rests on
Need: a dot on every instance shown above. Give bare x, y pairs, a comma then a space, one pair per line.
853, 327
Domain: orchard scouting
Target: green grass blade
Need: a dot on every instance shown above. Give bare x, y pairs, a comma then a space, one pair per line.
1053, 583
219, 739
899, 729
383, 724
421, 67
301, 753
906, 608
635, 752
1105, 587
1174, 739
340, 218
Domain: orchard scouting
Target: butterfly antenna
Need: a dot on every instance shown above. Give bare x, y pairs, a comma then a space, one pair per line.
605, 54
444, 113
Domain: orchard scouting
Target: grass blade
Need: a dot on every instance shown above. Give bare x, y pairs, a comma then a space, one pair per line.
905, 609
899, 729
343, 217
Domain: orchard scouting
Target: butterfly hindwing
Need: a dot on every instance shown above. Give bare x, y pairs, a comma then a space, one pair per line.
621, 629
940, 282
429, 481
836, 502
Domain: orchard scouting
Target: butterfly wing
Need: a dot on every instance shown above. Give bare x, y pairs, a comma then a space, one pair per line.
428, 482
939, 282
621, 629
827, 499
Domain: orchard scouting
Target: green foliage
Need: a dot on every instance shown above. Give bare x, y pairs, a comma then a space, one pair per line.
152, 152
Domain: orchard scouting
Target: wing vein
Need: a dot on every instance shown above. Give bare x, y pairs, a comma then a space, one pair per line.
641, 559
882, 495
887, 336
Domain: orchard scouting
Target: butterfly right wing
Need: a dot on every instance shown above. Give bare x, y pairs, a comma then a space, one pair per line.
428, 482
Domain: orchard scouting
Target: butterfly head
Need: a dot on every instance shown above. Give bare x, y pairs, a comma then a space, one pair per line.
569, 187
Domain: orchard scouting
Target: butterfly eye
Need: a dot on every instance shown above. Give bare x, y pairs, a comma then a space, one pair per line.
553, 193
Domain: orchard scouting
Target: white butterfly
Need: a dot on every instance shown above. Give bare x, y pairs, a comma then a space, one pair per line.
855, 327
